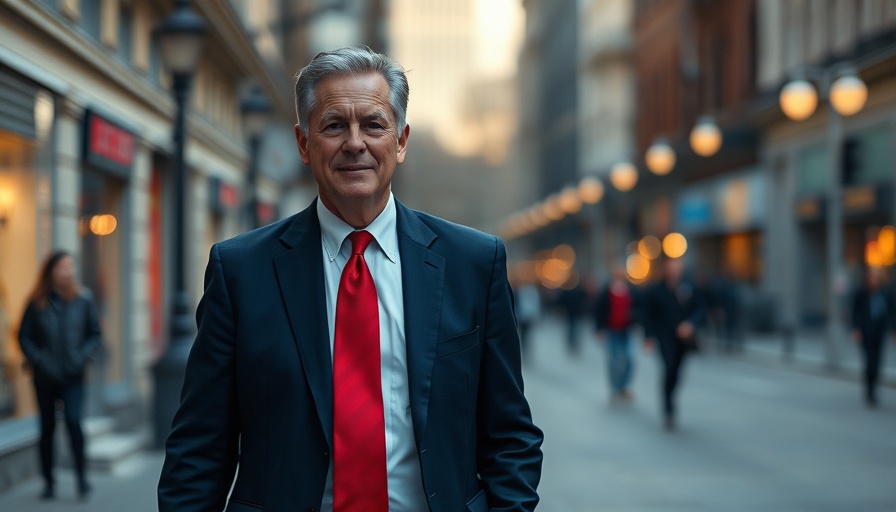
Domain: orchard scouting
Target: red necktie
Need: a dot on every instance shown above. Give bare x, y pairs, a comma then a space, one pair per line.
359, 434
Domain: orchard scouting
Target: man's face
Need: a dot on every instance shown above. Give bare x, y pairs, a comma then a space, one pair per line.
353, 144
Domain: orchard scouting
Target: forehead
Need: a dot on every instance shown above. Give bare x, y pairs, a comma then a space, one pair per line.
366, 91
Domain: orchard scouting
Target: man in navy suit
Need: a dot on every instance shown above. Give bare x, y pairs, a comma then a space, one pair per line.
259, 397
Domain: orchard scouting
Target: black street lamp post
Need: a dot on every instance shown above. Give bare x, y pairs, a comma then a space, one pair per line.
180, 38
256, 109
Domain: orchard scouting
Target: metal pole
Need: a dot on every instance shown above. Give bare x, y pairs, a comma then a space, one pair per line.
171, 367
834, 237
254, 143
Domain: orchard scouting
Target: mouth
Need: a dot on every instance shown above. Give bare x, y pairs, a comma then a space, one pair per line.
354, 168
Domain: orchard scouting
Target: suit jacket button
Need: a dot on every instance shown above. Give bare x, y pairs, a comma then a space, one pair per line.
326, 454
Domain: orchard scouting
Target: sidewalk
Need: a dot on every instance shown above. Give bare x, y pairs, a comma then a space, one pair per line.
130, 488
807, 354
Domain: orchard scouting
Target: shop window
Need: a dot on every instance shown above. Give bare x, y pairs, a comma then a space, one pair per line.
90, 17
873, 158
812, 169
19, 260
125, 32
102, 241
155, 64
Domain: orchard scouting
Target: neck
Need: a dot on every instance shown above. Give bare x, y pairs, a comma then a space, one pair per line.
358, 215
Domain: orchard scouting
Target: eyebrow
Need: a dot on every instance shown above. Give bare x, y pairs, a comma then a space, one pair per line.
376, 114
333, 115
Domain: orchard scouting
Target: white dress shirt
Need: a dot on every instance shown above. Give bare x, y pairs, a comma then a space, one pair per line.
405, 483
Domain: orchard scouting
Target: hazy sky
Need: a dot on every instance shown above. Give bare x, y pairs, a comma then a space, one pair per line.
448, 45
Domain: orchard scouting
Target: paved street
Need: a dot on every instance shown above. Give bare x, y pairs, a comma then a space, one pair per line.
751, 438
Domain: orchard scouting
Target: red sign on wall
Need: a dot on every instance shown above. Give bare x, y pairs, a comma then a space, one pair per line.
228, 196
108, 146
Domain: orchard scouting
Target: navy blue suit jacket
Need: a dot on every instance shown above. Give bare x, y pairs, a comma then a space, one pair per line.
258, 391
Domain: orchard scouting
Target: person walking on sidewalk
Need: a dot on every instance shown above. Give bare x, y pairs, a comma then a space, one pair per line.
873, 313
614, 316
59, 335
674, 309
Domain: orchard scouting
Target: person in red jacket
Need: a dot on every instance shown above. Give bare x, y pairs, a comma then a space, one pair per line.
614, 318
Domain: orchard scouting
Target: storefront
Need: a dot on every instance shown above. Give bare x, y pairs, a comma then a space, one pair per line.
868, 167
108, 157
26, 132
723, 220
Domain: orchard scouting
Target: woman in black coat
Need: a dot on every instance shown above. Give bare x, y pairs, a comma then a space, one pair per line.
873, 312
59, 335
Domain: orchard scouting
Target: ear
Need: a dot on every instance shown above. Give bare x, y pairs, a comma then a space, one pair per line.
302, 143
403, 143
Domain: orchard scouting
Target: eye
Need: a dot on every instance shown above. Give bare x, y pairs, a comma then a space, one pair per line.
332, 126
376, 126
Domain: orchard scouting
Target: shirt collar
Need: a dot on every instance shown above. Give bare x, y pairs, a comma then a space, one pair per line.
334, 230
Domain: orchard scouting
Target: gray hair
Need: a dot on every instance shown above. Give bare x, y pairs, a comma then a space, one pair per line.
351, 61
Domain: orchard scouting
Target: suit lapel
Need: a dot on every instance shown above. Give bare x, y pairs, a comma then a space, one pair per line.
422, 276
300, 275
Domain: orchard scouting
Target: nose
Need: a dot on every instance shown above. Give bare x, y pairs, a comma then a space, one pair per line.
354, 142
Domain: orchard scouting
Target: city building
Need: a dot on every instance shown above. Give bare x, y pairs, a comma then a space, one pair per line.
821, 41
86, 123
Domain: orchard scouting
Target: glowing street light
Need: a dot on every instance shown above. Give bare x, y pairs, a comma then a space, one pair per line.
590, 190
798, 100
660, 157
846, 94
675, 245
624, 176
706, 137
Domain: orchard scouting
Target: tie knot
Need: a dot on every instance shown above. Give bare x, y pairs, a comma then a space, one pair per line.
360, 240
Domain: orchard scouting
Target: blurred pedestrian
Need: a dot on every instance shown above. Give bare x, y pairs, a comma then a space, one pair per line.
674, 310
726, 302
873, 313
573, 301
528, 311
614, 318
59, 335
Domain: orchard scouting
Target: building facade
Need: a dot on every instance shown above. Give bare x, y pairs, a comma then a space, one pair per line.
85, 149
818, 41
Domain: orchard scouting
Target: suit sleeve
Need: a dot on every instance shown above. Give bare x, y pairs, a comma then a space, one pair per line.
509, 445
201, 452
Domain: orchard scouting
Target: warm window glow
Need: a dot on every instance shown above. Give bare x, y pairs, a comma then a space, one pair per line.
886, 244
102, 225
873, 256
